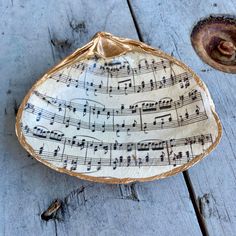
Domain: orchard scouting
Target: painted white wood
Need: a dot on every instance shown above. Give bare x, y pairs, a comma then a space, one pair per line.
34, 36
168, 24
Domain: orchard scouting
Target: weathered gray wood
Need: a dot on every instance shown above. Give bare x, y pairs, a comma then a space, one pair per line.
168, 24
34, 36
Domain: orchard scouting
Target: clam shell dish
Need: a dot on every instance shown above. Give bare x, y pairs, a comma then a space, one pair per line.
118, 111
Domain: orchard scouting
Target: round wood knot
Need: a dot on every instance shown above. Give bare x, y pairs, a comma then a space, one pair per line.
226, 48
214, 40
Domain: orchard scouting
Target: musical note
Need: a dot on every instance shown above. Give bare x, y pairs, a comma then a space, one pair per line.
165, 103
163, 120
39, 131
56, 135
41, 149
73, 165
56, 151
38, 117
115, 163
99, 164
64, 164
26, 129
162, 156
52, 119
128, 160
127, 84
197, 110
67, 122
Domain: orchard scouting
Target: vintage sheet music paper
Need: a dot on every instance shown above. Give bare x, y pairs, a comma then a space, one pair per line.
118, 111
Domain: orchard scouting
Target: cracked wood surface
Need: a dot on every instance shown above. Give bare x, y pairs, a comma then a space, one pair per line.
35, 36
168, 25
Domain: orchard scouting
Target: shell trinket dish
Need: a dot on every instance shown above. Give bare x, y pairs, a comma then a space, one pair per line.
118, 111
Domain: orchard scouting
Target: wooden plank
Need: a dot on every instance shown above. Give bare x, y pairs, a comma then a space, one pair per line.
34, 36
168, 25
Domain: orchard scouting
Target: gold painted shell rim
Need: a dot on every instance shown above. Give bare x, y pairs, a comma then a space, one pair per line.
89, 50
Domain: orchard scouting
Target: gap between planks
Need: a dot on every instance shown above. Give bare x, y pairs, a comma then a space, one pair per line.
186, 176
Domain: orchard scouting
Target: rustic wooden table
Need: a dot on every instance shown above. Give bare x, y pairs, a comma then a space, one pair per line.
37, 34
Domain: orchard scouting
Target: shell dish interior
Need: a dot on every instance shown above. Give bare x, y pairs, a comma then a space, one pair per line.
134, 116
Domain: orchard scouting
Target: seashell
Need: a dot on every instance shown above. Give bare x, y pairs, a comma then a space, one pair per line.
118, 111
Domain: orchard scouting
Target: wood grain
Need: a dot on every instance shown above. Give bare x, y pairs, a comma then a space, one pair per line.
34, 36
168, 25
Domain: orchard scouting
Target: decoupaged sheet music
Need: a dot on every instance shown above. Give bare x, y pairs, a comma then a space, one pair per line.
118, 114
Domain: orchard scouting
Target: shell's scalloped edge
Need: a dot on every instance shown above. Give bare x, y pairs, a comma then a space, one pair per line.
86, 52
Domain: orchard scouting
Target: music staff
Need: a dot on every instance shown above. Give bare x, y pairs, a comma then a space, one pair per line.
98, 109
183, 80
145, 145
158, 123
76, 161
118, 69
166, 149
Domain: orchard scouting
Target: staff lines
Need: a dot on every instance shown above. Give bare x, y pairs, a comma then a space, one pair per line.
159, 122
147, 107
114, 151
183, 79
